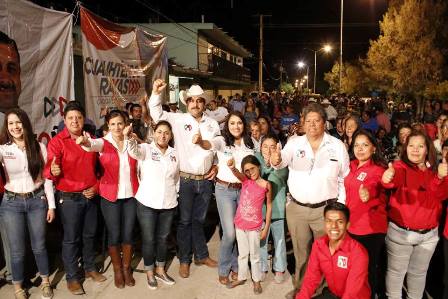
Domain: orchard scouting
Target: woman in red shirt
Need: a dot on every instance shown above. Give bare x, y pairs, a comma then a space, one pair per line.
366, 200
414, 212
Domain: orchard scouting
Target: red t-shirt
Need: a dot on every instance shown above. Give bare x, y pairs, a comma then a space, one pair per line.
78, 167
369, 217
346, 271
416, 197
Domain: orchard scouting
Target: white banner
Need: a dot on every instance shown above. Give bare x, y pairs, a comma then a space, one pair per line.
44, 40
120, 63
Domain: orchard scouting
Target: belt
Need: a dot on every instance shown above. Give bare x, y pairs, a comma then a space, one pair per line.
196, 177
26, 194
70, 194
314, 205
418, 231
229, 185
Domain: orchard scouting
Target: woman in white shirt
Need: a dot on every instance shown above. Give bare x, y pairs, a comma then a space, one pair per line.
235, 143
28, 202
117, 187
156, 198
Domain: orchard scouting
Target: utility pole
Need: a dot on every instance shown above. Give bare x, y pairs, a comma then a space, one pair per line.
340, 46
260, 58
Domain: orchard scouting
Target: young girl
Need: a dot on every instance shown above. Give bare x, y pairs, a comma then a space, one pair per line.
249, 219
277, 177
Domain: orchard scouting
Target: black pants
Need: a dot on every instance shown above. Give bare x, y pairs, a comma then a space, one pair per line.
374, 244
445, 274
326, 294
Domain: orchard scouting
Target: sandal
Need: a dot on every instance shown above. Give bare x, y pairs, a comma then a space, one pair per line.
223, 280
235, 283
20, 294
257, 288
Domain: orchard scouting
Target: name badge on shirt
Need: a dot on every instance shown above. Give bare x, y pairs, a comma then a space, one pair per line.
9, 155
362, 176
342, 262
155, 156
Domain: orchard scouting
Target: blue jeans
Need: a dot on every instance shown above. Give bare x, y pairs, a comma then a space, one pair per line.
120, 219
155, 226
194, 197
18, 215
5, 246
277, 229
227, 201
79, 220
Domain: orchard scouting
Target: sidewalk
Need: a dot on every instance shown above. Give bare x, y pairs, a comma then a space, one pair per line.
202, 284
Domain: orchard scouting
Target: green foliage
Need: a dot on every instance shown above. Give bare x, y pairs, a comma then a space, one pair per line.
354, 79
406, 59
287, 88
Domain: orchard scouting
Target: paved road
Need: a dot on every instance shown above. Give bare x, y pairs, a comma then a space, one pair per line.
202, 284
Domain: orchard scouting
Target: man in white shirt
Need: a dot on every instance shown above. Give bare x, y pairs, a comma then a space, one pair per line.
317, 165
217, 113
196, 170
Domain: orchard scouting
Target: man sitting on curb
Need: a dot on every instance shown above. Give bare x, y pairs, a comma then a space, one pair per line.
341, 260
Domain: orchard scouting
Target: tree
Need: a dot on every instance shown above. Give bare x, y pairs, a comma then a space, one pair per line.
287, 88
354, 79
405, 59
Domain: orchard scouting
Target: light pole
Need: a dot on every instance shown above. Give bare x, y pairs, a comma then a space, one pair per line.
340, 46
326, 49
301, 65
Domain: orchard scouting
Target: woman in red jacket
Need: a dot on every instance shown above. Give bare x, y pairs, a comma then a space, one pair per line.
118, 185
414, 212
366, 200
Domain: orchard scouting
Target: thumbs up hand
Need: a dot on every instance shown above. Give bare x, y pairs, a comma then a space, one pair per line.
276, 155
197, 138
83, 139
127, 130
442, 170
363, 193
55, 169
231, 163
389, 174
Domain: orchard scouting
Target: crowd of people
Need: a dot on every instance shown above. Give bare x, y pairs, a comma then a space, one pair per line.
347, 182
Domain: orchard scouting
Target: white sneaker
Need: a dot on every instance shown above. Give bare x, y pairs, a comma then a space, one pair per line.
279, 277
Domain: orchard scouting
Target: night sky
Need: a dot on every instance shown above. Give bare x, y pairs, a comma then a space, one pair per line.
292, 26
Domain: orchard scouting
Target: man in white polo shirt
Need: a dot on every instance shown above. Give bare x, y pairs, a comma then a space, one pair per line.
317, 165
196, 170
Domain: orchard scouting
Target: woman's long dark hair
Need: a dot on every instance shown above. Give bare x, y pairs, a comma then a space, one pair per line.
431, 155
377, 156
229, 138
32, 147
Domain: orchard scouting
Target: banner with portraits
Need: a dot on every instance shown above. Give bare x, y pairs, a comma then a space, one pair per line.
119, 63
44, 40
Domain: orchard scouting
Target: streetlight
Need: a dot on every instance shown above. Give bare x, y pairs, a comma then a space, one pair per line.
326, 49
301, 65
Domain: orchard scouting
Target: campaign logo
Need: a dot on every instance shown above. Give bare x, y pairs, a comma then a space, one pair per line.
361, 177
173, 158
188, 127
342, 262
301, 153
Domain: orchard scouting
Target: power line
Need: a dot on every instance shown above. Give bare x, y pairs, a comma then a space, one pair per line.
318, 26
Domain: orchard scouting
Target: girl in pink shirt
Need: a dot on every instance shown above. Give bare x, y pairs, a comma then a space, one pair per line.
249, 219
